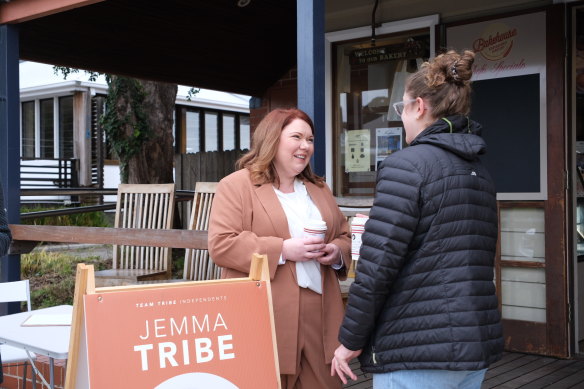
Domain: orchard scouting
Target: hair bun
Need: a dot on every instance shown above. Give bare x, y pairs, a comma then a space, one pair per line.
450, 67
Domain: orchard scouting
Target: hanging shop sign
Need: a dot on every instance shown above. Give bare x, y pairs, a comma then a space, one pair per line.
409, 50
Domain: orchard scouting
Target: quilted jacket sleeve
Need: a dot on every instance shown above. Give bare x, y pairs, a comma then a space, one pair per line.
388, 233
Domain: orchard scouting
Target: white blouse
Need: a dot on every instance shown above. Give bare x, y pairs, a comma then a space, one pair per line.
299, 208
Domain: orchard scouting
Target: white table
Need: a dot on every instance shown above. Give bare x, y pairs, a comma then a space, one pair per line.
52, 341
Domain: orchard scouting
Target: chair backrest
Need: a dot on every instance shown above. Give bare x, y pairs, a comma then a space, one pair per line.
198, 265
144, 206
15, 291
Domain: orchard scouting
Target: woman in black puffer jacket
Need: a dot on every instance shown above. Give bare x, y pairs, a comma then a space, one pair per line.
423, 311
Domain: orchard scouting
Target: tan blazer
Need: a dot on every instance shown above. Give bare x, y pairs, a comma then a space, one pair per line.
247, 219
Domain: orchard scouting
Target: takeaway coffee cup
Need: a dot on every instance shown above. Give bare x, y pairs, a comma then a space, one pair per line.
315, 229
357, 228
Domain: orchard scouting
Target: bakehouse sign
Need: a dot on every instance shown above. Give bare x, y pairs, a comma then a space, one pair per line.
505, 47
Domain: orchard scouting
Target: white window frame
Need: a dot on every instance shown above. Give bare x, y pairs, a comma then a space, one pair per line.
37, 124
359, 33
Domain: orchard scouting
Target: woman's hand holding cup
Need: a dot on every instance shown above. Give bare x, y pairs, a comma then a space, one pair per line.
332, 255
303, 249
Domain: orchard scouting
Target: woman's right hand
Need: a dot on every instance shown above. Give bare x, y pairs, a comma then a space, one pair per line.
302, 249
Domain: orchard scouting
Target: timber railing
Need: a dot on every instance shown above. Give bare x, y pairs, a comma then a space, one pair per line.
181, 195
26, 237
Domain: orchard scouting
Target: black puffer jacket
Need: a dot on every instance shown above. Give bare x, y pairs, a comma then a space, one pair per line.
424, 296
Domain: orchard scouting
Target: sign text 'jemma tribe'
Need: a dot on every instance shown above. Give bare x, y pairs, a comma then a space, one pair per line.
202, 344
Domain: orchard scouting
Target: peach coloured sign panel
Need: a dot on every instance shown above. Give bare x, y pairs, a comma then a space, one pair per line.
203, 336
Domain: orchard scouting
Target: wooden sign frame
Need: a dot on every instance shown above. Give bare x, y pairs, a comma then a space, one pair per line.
80, 359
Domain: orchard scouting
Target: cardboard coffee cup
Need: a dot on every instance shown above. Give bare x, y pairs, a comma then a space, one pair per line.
357, 229
315, 229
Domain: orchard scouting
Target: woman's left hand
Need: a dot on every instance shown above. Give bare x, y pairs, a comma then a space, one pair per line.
340, 364
332, 255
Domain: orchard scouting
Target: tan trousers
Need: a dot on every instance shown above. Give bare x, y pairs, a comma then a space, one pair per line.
311, 371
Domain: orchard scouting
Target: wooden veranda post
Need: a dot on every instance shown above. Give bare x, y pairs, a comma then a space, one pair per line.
310, 52
10, 146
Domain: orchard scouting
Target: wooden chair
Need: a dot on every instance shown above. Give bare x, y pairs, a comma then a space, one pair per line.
198, 265
140, 206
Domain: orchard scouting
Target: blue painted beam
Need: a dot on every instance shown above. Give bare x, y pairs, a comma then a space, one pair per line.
10, 146
310, 60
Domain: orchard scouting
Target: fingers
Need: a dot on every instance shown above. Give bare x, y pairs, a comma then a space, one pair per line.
325, 260
336, 369
313, 240
345, 368
342, 369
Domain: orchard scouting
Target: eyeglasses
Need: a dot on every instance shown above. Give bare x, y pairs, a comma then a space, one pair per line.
399, 106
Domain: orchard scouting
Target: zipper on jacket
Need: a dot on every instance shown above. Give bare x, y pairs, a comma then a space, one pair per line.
373, 355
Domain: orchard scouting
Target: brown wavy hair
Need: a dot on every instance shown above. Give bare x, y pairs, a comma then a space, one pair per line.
259, 160
445, 83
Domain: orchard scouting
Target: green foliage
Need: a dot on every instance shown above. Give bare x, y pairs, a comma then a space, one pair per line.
66, 71
38, 263
118, 118
178, 263
192, 92
58, 293
125, 122
87, 219
52, 276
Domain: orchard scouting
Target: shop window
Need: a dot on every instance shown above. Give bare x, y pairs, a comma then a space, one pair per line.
47, 129
367, 81
28, 132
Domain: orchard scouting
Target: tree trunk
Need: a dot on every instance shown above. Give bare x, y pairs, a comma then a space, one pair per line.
154, 163
141, 129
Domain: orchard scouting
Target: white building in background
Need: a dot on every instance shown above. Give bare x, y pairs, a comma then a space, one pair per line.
60, 124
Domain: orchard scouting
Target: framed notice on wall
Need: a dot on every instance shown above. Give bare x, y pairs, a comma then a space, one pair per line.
509, 99
357, 153
389, 140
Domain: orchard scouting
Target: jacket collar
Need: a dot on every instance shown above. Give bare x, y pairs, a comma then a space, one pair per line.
269, 200
273, 208
457, 134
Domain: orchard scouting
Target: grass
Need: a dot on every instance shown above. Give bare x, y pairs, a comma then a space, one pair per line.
52, 275
86, 219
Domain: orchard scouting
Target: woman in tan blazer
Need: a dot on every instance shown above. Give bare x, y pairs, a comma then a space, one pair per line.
260, 209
